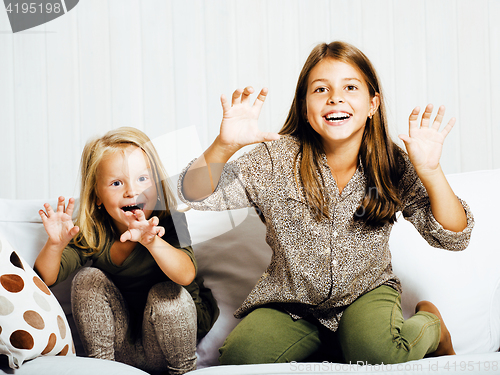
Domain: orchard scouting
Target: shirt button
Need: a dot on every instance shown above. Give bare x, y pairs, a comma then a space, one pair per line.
335, 234
334, 262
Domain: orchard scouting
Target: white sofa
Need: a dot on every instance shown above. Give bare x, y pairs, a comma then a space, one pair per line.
232, 254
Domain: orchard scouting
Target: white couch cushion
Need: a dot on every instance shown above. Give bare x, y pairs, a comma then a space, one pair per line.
465, 285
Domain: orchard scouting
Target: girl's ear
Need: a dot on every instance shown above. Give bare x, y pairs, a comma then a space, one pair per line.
374, 104
98, 201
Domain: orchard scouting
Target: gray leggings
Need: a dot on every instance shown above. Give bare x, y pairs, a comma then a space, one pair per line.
168, 341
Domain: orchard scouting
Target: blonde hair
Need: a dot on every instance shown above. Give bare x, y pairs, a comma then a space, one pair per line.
379, 154
96, 226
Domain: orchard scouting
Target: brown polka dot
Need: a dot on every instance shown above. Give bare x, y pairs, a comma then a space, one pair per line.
72, 347
41, 285
12, 283
62, 326
34, 319
16, 261
64, 351
0, 330
50, 344
22, 340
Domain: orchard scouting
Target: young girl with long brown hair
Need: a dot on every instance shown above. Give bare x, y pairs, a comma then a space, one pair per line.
328, 188
140, 302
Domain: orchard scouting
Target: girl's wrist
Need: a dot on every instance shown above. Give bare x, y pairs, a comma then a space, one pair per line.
55, 247
429, 173
222, 150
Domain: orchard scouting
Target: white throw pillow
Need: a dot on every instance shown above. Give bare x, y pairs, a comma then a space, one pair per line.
32, 323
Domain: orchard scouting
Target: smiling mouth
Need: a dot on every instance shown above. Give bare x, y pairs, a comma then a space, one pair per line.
133, 207
337, 117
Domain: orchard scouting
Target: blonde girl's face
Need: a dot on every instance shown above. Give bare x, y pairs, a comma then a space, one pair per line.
338, 103
125, 183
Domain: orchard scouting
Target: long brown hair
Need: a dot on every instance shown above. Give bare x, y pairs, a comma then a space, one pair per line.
378, 153
96, 226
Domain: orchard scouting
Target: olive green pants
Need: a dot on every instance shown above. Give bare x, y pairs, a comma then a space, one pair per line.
372, 331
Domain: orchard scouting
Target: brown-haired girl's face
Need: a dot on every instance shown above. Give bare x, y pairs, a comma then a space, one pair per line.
125, 183
338, 103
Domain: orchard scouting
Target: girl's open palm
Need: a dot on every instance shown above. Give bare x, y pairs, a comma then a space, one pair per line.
59, 224
425, 142
141, 230
239, 125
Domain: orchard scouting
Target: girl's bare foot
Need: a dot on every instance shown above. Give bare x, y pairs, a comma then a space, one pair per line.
445, 346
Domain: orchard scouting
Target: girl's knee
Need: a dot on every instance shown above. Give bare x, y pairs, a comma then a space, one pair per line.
88, 279
170, 298
240, 350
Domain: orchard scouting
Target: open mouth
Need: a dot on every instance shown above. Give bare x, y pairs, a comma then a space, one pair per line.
133, 207
337, 117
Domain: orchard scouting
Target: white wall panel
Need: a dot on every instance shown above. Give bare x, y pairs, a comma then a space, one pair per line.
442, 72
494, 82
94, 68
283, 58
410, 56
157, 67
221, 63
252, 51
189, 61
30, 112
161, 65
126, 63
63, 121
8, 159
473, 85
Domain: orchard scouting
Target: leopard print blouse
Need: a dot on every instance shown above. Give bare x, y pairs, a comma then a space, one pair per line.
318, 268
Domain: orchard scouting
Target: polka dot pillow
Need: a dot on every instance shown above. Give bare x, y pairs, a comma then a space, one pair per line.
32, 323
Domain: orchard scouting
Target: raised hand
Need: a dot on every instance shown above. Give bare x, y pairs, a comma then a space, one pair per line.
424, 143
141, 230
239, 125
59, 224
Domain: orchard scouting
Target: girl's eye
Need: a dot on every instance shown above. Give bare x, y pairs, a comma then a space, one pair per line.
143, 178
116, 183
320, 89
351, 88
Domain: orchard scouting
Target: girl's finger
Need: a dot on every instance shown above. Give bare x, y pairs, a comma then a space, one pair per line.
426, 116
226, 106
246, 94
48, 209
43, 215
448, 126
60, 204
405, 138
139, 214
439, 118
71, 206
73, 232
236, 99
160, 232
126, 236
269, 136
154, 221
413, 120
259, 102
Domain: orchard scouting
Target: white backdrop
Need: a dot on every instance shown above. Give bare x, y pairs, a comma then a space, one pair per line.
161, 65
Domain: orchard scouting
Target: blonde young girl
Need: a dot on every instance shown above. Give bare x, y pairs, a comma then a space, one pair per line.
140, 302
328, 187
